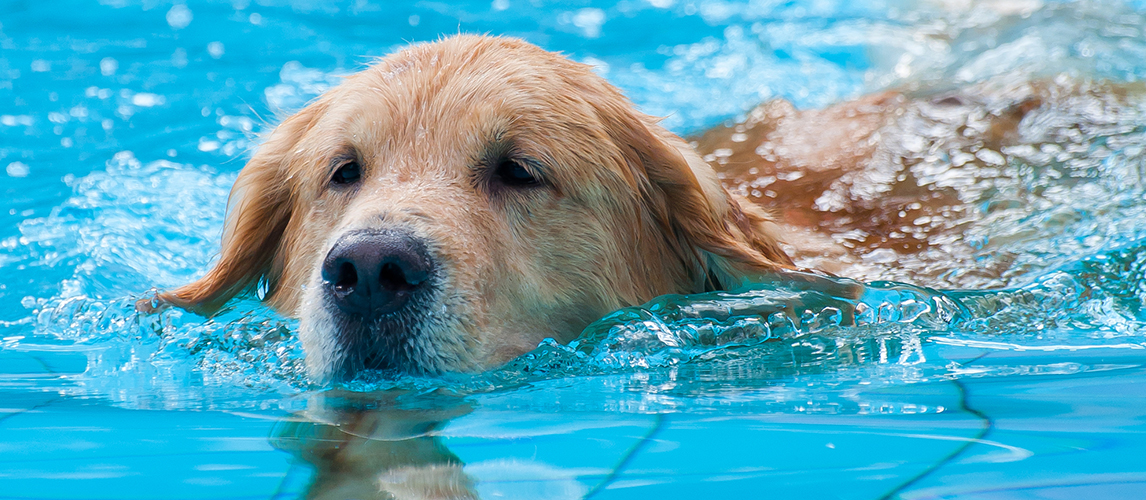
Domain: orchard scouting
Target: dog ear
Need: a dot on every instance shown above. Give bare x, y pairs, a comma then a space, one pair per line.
259, 210
733, 241
724, 242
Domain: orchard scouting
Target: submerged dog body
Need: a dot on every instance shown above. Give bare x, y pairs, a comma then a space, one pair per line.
907, 185
459, 201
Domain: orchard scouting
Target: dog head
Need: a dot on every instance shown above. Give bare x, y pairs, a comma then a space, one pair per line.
459, 201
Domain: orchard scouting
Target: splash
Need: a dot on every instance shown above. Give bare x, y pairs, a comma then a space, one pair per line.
139, 225
789, 327
1049, 215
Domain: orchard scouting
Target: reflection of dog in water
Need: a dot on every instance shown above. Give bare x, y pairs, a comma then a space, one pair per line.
362, 447
459, 201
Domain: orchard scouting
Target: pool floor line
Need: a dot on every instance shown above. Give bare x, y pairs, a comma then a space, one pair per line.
47, 369
658, 424
33, 408
988, 425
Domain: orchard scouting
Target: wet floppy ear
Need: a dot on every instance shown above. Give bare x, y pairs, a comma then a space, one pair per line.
726, 241
258, 211
734, 241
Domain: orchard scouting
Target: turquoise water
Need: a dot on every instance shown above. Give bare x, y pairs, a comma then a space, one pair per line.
123, 124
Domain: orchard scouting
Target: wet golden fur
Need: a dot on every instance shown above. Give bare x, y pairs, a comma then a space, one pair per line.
628, 211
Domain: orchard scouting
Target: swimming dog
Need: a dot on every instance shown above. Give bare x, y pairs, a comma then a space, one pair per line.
459, 201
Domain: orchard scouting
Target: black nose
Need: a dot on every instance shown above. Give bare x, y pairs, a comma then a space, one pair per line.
372, 273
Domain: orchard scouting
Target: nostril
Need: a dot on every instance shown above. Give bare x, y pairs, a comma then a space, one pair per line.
374, 273
392, 278
347, 278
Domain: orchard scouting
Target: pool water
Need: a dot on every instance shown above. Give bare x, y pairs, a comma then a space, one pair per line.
124, 123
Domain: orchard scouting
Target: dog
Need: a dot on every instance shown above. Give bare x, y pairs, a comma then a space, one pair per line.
459, 201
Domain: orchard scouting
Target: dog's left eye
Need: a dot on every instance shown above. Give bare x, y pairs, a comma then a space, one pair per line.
347, 173
513, 174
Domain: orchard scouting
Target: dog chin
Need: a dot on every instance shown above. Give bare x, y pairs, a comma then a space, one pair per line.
340, 346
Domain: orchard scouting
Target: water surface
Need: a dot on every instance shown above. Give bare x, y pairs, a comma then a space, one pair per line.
123, 125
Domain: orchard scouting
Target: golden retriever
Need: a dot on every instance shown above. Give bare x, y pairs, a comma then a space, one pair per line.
458, 202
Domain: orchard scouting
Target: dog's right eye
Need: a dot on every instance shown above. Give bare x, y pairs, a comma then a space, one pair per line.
513, 174
347, 173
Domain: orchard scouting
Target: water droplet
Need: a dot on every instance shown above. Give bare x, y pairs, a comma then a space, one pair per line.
108, 66
215, 49
179, 16
17, 169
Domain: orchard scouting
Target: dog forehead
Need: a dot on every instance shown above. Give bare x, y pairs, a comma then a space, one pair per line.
468, 79
441, 105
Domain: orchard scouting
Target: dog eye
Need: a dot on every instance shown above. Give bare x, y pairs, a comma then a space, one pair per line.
348, 173
513, 174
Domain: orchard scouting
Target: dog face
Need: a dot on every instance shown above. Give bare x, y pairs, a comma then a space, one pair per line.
459, 201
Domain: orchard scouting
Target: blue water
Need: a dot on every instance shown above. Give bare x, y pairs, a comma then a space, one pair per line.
123, 125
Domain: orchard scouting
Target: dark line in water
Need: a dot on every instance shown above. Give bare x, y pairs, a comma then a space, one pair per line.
988, 425
658, 423
47, 369
26, 410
